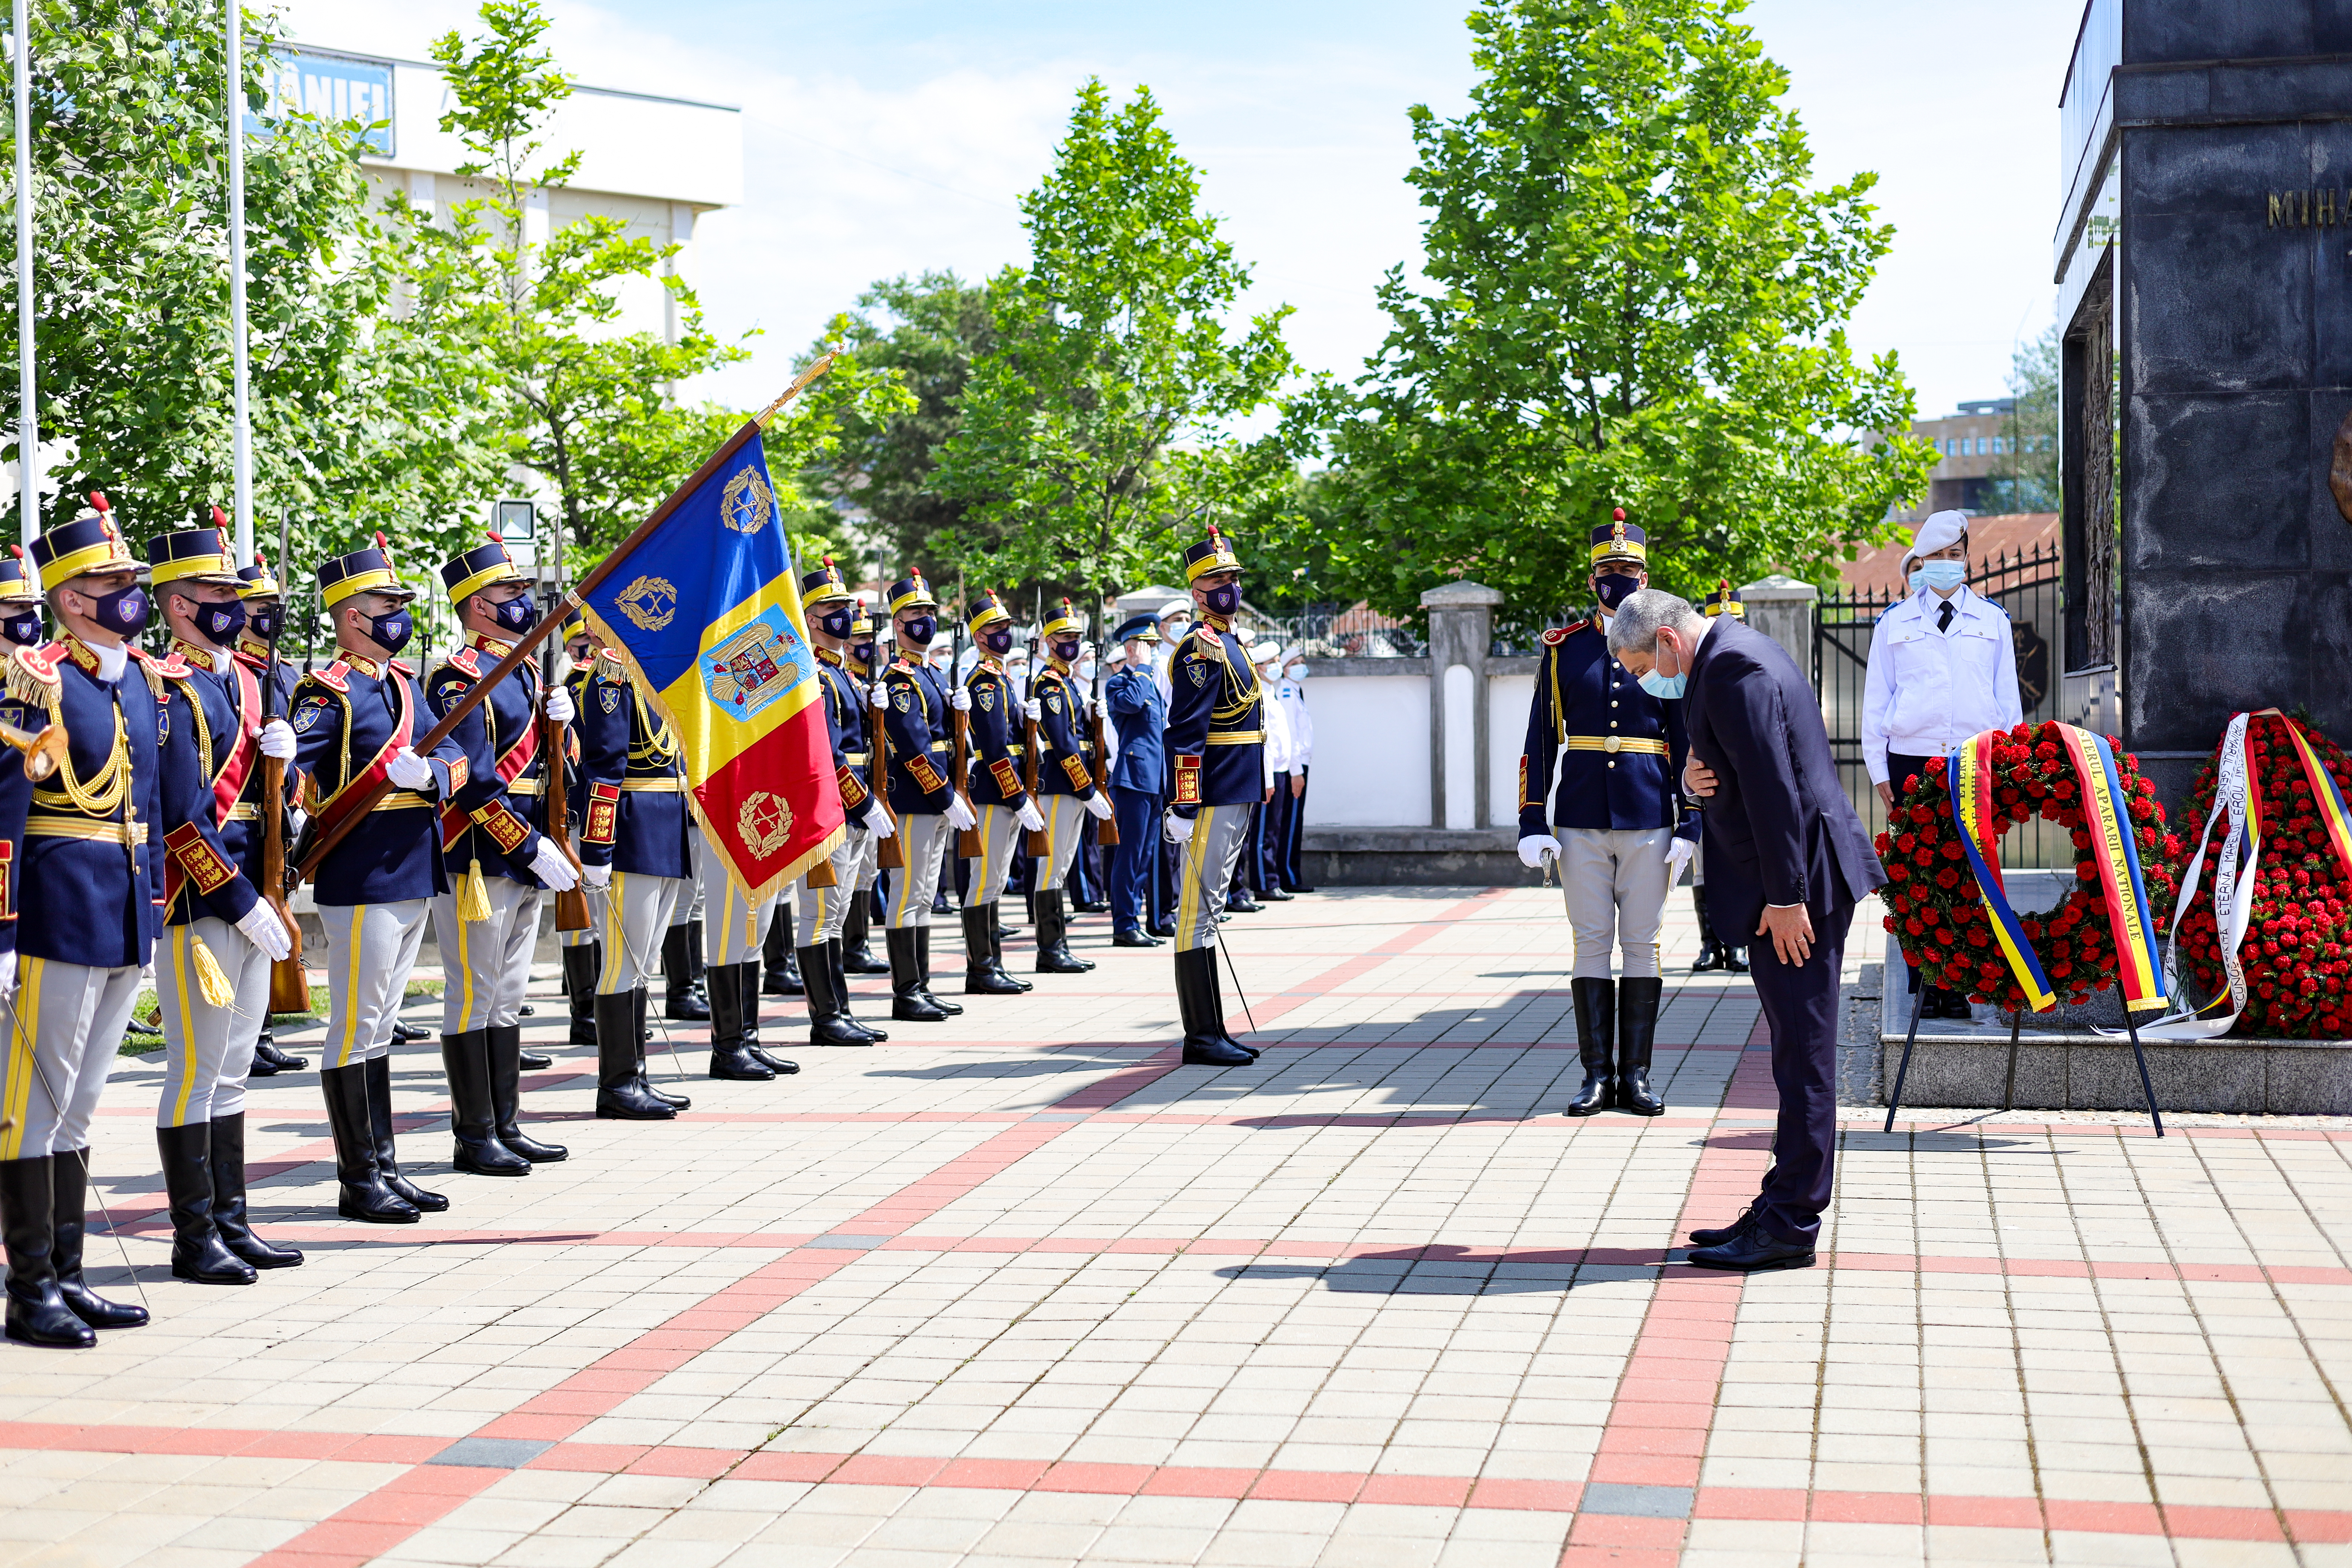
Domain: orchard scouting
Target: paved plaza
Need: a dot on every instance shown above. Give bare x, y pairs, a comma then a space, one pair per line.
1022, 1290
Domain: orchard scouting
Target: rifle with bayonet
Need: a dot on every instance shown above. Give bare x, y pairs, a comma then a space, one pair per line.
289, 983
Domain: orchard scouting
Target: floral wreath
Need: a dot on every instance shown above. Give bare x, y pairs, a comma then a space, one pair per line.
1940, 920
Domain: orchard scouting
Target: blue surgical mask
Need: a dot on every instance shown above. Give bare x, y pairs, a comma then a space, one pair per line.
1222, 600
1298, 672
836, 623
1666, 688
1941, 575
264, 622
22, 628
997, 640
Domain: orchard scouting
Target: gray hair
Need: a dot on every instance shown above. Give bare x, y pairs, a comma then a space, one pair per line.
1642, 615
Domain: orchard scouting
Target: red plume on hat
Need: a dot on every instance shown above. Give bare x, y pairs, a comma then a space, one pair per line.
1617, 515
220, 518
97, 500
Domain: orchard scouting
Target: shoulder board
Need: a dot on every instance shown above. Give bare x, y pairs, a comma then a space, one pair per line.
336, 677
170, 665
250, 661
464, 663
400, 667
33, 673
609, 662
1559, 634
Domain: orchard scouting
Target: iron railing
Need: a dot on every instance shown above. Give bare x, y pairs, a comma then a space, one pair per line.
1340, 631
2027, 584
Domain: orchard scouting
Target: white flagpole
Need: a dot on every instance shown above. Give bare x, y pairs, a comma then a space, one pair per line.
28, 434
243, 457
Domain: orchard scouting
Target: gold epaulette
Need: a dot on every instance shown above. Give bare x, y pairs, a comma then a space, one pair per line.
33, 674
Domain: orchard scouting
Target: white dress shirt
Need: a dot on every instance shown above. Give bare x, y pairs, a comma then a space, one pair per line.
1291, 697
1930, 687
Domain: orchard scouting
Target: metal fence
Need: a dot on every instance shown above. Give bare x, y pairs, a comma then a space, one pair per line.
1339, 631
2027, 584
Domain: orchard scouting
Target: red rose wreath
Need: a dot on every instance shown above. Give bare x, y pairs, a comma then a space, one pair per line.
2297, 955
1940, 920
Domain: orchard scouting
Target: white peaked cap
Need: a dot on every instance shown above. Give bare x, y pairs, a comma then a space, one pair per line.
1269, 652
1942, 531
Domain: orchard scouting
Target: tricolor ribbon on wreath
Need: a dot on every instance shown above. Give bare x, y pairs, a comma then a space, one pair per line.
2114, 852
2238, 792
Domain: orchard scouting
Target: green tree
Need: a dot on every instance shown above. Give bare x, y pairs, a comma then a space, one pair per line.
362, 418
1639, 301
2028, 477
1097, 424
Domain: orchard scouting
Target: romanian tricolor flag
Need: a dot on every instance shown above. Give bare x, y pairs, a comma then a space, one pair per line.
706, 610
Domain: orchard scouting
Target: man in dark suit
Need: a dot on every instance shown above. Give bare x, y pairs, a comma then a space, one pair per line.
1786, 857
1138, 713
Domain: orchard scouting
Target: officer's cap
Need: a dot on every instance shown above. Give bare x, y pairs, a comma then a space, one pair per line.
1141, 628
90, 542
1725, 600
194, 555
912, 594
987, 611
1265, 653
825, 583
1175, 609
1618, 540
1068, 622
483, 566
14, 583
257, 582
368, 571
1211, 555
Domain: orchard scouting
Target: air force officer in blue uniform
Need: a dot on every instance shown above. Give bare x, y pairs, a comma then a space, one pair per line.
1138, 783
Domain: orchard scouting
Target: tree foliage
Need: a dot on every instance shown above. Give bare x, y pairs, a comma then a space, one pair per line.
1639, 298
1097, 423
2027, 476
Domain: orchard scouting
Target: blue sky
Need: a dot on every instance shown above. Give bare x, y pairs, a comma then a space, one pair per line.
885, 136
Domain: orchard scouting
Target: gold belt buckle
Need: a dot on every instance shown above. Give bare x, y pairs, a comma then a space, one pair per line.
1613, 744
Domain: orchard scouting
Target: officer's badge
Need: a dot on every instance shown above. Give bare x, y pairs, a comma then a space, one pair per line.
609, 699
1199, 670
312, 711
988, 699
903, 699
449, 689
1053, 704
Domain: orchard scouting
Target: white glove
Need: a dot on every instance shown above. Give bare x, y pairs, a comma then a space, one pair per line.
297, 818
550, 866
1033, 708
595, 879
1030, 817
262, 928
960, 816
408, 770
1098, 806
9, 972
878, 820
557, 705
1532, 848
278, 741
880, 694
961, 699
1678, 855
1179, 828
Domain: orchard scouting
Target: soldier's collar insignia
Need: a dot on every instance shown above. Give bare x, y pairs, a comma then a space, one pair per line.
483, 643
831, 658
360, 662
79, 652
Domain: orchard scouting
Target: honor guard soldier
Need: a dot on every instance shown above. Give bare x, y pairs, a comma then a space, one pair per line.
1601, 758
832, 618
356, 719
999, 796
914, 699
735, 931
636, 862
1138, 713
1065, 781
861, 660
1713, 953
256, 648
1216, 757
220, 936
581, 953
494, 861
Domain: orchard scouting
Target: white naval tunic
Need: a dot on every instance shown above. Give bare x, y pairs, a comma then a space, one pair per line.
1927, 687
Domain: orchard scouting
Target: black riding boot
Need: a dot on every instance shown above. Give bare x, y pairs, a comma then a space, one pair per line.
68, 1184
362, 1193
466, 1060
1595, 1002
909, 1003
783, 1067
678, 1000
579, 966
790, 976
1053, 955
697, 965
507, 1054
982, 976
198, 1253
387, 1154
37, 1315
829, 1020
1203, 1012
857, 957
730, 1056
622, 1094
1637, 1028
1710, 952
776, 951
996, 949
229, 1216
641, 1000
923, 967
838, 968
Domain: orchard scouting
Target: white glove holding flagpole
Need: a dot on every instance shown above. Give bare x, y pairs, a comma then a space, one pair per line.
409, 770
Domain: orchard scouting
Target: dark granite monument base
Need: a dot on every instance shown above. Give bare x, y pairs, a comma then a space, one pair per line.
1413, 857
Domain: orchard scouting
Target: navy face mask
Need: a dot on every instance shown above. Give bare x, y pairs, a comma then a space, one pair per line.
515, 614
836, 623
863, 652
1222, 601
1615, 588
264, 623
1068, 652
918, 630
123, 611
393, 630
24, 630
220, 623
997, 640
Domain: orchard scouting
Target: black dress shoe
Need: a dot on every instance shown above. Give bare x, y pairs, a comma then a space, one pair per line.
1275, 896
1160, 929
1242, 904
1752, 1251
535, 1061
1090, 907
1135, 938
409, 1034
1718, 1235
526, 1011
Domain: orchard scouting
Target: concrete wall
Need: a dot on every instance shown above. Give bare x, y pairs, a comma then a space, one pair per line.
1372, 743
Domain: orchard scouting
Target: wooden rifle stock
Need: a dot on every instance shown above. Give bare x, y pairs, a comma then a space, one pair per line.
1105, 828
289, 983
890, 855
968, 842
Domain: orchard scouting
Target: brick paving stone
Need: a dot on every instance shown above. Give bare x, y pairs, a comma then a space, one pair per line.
1023, 1288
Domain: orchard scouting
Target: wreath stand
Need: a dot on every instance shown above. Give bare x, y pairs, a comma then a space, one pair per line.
2008, 1083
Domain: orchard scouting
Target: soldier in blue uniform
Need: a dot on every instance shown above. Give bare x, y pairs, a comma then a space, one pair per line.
257, 649
1064, 783
1617, 753
832, 618
1216, 754
999, 797
862, 661
220, 936
637, 862
916, 705
1713, 951
357, 718
495, 861
1138, 714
